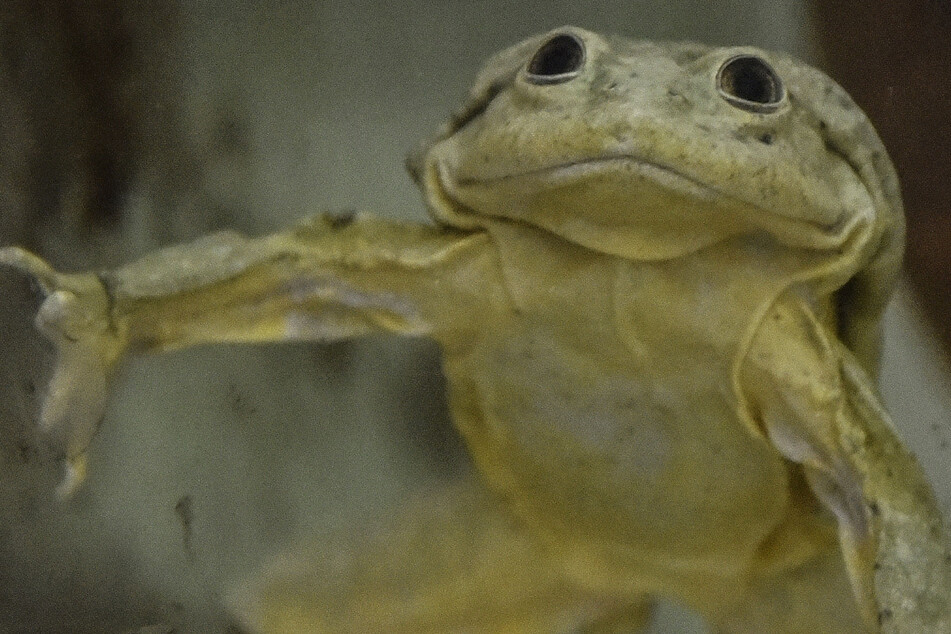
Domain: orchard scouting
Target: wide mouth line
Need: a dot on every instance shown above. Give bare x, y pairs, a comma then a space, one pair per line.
663, 175
660, 172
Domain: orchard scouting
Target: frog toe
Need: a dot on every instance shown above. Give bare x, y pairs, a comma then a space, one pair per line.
30, 264
72, 409
74, 317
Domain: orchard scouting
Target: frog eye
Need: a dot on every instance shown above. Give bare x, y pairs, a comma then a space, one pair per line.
559, 59
748, 82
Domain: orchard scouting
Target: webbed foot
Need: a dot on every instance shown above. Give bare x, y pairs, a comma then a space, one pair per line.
75, 317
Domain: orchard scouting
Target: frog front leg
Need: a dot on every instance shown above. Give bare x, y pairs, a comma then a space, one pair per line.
327, 278
75, 317
820, 410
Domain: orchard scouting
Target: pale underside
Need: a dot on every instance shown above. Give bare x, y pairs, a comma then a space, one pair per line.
659, 358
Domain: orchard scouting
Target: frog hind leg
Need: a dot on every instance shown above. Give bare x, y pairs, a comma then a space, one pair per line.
813, 597
452, 561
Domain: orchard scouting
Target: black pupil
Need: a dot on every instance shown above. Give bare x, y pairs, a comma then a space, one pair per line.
560, 55
751, 79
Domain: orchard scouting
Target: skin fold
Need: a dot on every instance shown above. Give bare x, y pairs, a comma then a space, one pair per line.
656, 276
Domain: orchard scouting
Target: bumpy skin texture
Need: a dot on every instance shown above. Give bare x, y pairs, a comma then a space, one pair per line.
657, 286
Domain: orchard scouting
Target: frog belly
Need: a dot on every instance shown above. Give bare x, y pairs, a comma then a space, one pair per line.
636, 478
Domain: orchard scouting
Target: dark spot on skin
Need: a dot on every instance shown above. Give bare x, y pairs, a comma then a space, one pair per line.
612, 85
108, 285
831, 147
341, 220
823, 125
474, 109
678, 98
873, 507
689, 56
876, 566
766, 139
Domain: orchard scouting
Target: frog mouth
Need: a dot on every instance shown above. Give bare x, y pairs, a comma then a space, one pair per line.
460, 195
457, 197
571, 171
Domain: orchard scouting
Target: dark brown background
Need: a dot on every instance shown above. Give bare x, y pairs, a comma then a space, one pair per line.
894, 56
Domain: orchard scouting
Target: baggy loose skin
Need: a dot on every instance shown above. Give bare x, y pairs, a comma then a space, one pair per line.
656, 277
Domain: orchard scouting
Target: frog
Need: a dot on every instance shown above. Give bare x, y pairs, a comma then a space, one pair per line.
656, 273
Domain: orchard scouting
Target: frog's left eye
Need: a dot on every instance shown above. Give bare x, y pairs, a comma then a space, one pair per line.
559, 59
748, 82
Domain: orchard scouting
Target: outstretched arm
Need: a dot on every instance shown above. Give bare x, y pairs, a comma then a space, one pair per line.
327, 278
820, 410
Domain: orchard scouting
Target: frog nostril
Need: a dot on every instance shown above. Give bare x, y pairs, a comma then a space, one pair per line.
748, 82
559, 59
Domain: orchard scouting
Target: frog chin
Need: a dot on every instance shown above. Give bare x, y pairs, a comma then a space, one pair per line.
619, 205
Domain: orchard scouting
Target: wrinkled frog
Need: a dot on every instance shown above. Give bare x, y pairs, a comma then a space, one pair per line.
656, 276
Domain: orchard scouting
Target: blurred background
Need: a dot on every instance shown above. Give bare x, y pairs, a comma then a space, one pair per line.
130, 125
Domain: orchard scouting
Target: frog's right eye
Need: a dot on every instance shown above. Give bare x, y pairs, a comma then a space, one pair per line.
559, 59
749, 83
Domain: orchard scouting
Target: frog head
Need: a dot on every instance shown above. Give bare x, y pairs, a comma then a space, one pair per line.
651, 151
